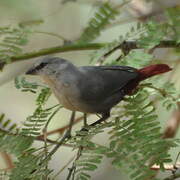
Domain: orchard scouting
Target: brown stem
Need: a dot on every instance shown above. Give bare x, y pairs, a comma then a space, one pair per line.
126, 46
60, 130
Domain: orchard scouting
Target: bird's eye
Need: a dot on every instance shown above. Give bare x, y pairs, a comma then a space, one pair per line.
40, 66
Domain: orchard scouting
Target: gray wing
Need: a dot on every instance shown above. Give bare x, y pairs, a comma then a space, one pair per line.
105, 83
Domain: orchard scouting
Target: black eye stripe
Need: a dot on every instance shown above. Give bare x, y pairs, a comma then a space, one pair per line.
40, 66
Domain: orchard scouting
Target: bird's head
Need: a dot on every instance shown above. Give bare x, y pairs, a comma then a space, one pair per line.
48, 66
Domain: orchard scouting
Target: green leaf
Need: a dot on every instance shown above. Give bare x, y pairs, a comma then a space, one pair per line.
102, 17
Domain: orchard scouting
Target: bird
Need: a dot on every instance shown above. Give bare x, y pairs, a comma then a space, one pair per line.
91, 89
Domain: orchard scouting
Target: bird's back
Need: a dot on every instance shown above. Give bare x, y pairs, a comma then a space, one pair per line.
103, 86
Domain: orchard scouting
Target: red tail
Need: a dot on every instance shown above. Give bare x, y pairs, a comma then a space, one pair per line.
153, 70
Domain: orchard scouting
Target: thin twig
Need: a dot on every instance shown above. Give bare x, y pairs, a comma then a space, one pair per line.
176, 161
73, 168
45, 152
62, 129
65, 137
161, 91
64, 167
45, 138
51, 34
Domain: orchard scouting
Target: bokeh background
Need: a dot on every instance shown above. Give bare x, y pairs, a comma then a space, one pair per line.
67, 20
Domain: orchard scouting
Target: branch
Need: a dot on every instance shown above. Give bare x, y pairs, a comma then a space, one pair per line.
58, 49
64, 167
126, 46
87, 46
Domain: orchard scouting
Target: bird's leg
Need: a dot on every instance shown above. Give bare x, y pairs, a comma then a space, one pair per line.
68, 133
103, 118
85, 126
85, 120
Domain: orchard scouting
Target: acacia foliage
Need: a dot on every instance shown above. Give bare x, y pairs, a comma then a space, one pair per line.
135, 134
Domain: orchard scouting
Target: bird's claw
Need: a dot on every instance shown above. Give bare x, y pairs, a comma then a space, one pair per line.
85, 129
68, 135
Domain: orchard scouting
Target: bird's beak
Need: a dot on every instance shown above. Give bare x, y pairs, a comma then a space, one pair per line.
32, 71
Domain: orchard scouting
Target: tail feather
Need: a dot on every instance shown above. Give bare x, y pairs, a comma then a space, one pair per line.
153, 70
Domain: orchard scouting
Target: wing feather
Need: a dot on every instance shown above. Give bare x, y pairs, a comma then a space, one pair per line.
104, 85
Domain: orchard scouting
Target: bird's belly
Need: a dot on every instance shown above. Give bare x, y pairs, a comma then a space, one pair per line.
65, 100
67, 96
71, 102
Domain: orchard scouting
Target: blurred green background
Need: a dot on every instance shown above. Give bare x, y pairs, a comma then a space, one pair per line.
68, 21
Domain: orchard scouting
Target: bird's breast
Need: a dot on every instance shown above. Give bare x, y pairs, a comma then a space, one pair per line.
67, 95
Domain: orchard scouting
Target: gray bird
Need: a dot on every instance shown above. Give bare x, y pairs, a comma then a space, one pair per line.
91, 89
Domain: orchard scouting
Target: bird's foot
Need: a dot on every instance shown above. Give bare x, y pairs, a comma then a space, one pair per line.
85, 128
68, 134
83, 131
